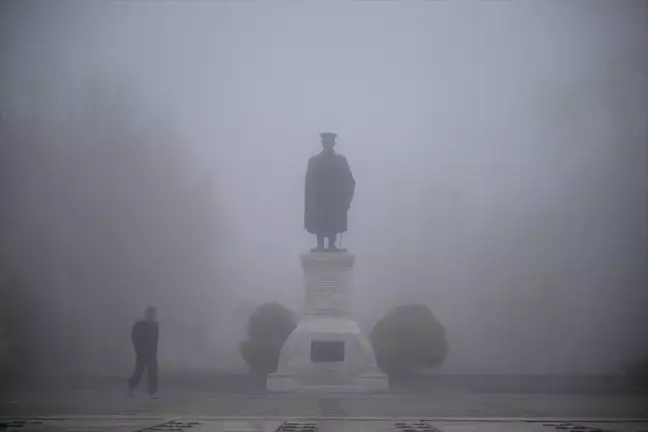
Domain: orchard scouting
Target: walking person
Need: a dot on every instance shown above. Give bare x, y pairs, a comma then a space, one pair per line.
145, 335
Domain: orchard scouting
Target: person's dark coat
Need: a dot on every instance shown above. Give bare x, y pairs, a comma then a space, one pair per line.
145, 335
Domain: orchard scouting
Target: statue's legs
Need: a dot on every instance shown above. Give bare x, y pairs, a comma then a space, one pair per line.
331, 241
320, 241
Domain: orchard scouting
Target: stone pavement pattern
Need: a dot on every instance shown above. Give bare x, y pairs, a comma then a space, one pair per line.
134, 424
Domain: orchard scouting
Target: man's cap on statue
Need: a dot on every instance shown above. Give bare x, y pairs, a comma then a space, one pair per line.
331, 135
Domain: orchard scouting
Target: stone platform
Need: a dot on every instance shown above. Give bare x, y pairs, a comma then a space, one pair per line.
327, 351
234, 424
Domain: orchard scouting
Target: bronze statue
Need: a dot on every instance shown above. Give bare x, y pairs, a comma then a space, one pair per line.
329, 191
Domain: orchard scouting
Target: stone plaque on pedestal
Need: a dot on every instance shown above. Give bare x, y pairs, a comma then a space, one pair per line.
327, 350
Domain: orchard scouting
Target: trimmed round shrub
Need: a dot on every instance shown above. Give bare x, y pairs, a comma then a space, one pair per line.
268, 328
407, 340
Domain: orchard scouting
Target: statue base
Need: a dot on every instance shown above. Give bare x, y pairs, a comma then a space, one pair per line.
327, 351
327, 354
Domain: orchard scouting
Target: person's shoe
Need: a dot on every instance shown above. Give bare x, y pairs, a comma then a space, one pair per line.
155, 396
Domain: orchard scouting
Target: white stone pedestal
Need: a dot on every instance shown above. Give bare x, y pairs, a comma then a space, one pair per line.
327, 350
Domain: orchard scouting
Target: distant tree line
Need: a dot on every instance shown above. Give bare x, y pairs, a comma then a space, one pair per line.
101, 214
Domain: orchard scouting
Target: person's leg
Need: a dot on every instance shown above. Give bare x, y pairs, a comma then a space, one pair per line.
320, 241
152, 368
134, 380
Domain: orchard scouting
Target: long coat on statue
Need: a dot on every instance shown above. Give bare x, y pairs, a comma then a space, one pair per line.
329, 191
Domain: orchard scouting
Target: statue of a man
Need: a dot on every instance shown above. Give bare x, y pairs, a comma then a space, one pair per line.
329, 191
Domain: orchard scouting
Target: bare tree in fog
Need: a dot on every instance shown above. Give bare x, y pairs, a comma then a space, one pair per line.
104, 217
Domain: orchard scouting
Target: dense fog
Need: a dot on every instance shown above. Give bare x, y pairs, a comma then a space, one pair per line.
154, 152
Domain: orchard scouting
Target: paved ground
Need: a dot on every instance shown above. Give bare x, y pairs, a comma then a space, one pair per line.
92, 402
99, 424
